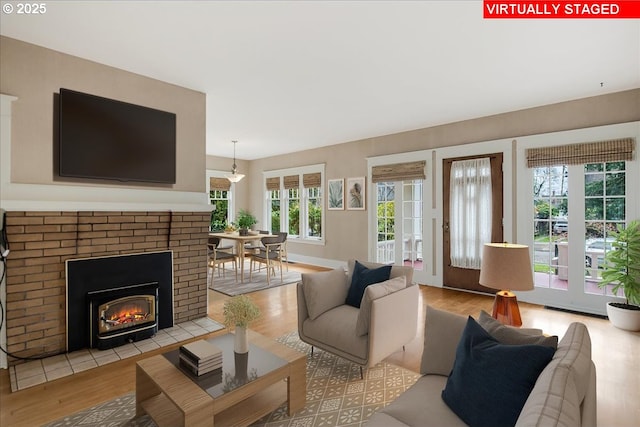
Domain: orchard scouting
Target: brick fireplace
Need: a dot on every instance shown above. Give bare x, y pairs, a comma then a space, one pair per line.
41, 242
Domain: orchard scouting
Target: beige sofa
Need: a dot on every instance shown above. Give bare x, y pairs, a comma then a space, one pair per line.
564, 393
384, 323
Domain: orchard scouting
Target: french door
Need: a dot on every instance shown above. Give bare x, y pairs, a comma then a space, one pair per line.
575, 209
400, 224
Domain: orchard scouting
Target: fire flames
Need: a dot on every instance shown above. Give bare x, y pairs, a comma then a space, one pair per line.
126, 314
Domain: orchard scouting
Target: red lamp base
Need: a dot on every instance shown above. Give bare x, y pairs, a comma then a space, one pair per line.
505, 309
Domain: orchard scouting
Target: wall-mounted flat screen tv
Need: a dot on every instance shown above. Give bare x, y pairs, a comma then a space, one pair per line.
102, 138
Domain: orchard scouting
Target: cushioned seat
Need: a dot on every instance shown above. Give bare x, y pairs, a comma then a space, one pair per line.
564, 392
386, 319
336, 329
415, 408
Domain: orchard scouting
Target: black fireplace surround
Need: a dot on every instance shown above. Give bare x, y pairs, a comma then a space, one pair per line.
96, 274
121, 315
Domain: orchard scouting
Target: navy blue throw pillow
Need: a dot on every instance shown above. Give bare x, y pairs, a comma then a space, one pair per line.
490, 382
363, 277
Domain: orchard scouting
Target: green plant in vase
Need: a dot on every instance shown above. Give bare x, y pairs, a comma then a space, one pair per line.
240, 311
245, 220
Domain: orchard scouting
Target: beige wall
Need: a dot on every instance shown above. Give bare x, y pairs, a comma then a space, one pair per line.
34, 74
346, 231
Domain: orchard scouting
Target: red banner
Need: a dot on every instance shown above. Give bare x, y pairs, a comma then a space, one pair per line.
628, 9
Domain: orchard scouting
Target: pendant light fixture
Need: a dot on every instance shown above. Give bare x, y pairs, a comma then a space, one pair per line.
234, 176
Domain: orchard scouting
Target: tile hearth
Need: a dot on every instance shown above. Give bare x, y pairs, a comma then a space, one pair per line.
51, 368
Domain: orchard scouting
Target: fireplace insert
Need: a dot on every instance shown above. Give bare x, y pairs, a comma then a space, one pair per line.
88, 277
122, 314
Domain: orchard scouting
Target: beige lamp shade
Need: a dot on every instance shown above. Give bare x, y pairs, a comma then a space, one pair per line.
506, 266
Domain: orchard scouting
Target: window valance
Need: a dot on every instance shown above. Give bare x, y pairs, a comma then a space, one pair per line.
614, 150
399, 171
312, 180
291, 181
219, 184
273, 183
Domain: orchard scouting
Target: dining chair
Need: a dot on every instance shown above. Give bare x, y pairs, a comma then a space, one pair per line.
253, 246
218, 257
284, 254
270, 255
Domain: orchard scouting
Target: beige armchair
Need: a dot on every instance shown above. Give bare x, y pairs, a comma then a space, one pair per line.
386, 320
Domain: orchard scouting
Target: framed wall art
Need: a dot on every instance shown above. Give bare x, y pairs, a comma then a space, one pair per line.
335, 199
356, 193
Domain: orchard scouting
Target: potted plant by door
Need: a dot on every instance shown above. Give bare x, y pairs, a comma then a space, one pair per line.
622, 269
239, 311
245, 221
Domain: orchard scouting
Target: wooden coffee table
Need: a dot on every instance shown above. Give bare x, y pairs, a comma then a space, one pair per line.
172, 397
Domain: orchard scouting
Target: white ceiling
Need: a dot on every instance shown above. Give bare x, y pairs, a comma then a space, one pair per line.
286, 76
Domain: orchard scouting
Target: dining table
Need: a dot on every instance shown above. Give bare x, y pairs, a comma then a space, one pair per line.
240, 241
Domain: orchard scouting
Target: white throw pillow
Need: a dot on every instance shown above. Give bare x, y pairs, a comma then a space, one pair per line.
373, 292
324, 290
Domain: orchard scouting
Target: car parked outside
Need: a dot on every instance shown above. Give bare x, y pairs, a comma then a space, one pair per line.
597, 247
561, 226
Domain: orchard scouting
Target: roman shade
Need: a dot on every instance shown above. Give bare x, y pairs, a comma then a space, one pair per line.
312, 180
273, 183
398, 172
219, 184
614, 150
291, 181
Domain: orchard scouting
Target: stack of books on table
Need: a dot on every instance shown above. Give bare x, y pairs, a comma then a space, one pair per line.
200, 357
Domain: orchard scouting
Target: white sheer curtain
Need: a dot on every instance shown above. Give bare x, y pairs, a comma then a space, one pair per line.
470, 211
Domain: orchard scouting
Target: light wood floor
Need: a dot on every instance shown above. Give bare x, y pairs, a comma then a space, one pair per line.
616, 354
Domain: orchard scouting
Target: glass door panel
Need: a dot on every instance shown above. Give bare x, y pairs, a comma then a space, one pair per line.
551, 227
604, 206
412, 224
385, 251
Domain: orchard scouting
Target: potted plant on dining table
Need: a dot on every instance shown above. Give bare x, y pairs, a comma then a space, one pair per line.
245, 220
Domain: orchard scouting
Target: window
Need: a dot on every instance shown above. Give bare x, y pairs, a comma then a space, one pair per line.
293, 209
274, 208
295, 203
220, 197
220, 214
314, 212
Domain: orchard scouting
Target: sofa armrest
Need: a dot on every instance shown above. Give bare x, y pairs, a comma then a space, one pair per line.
588, 408
393, 322
303, 313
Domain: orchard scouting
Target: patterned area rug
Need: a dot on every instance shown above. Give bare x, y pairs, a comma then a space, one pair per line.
227, 284
336, 396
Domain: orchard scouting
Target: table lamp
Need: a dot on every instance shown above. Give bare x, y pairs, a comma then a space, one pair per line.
507, 267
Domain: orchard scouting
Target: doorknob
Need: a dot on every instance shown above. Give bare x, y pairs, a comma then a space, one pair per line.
446, 227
